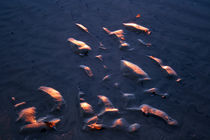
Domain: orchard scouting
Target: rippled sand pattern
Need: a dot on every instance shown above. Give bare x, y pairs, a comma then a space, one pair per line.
34, 51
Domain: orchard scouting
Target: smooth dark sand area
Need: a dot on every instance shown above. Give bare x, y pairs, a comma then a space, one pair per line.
34, 52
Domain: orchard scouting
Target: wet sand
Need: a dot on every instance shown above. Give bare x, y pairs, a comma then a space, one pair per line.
34, 52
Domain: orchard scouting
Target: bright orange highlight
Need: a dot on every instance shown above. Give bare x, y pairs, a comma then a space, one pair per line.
52, 92
134, 67
86, 107
159, 61
138, 27
117, 33
19, 104
150, 110
169, 70
28, 115
138, 16
95, 126
82, 27
87, 70
81, 44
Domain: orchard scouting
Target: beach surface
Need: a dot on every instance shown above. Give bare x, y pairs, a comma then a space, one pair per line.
34, 52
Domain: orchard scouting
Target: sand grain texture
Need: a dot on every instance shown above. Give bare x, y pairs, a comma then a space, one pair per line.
34, 52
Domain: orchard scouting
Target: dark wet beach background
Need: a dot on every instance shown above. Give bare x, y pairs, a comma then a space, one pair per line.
34, 51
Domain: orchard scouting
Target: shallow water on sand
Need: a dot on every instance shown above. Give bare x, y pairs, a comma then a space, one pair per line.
34, 52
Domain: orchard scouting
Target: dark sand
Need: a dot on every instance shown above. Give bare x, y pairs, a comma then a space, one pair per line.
34, 52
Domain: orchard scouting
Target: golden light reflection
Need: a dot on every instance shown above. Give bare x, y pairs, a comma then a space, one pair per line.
92, 119
123, 44
159, 61
19, 104
138, 27
52, 92
39, 126
133, 67
86, 107
117, 33
95, 126
107, 109
151, 90
106, 101
151, 110
87, 70
106, 30
81, 99
169, 70
82, 27
52, 123
178, 79
28, 114
106, 77
33, 125
81, 45
156, 92
99, 57
108, 105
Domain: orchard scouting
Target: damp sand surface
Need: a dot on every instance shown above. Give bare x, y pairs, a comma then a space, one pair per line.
34, 52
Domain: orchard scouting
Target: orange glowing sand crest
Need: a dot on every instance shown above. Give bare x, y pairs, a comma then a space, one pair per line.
111, 109
106, 77
138, 27
169, 70
108, 105
81, 44
151, 90
123, 44
159, 61
81, 99
147, 109
52, 123
99, 57
155, 91
86, 107
52, 92
92, 119
87, 70
95, 126
118, 123
33, 125
138, 16
106, 101
117, 33
106, 30
39, 126
82, 27
28, 114
19, 104
136, 69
